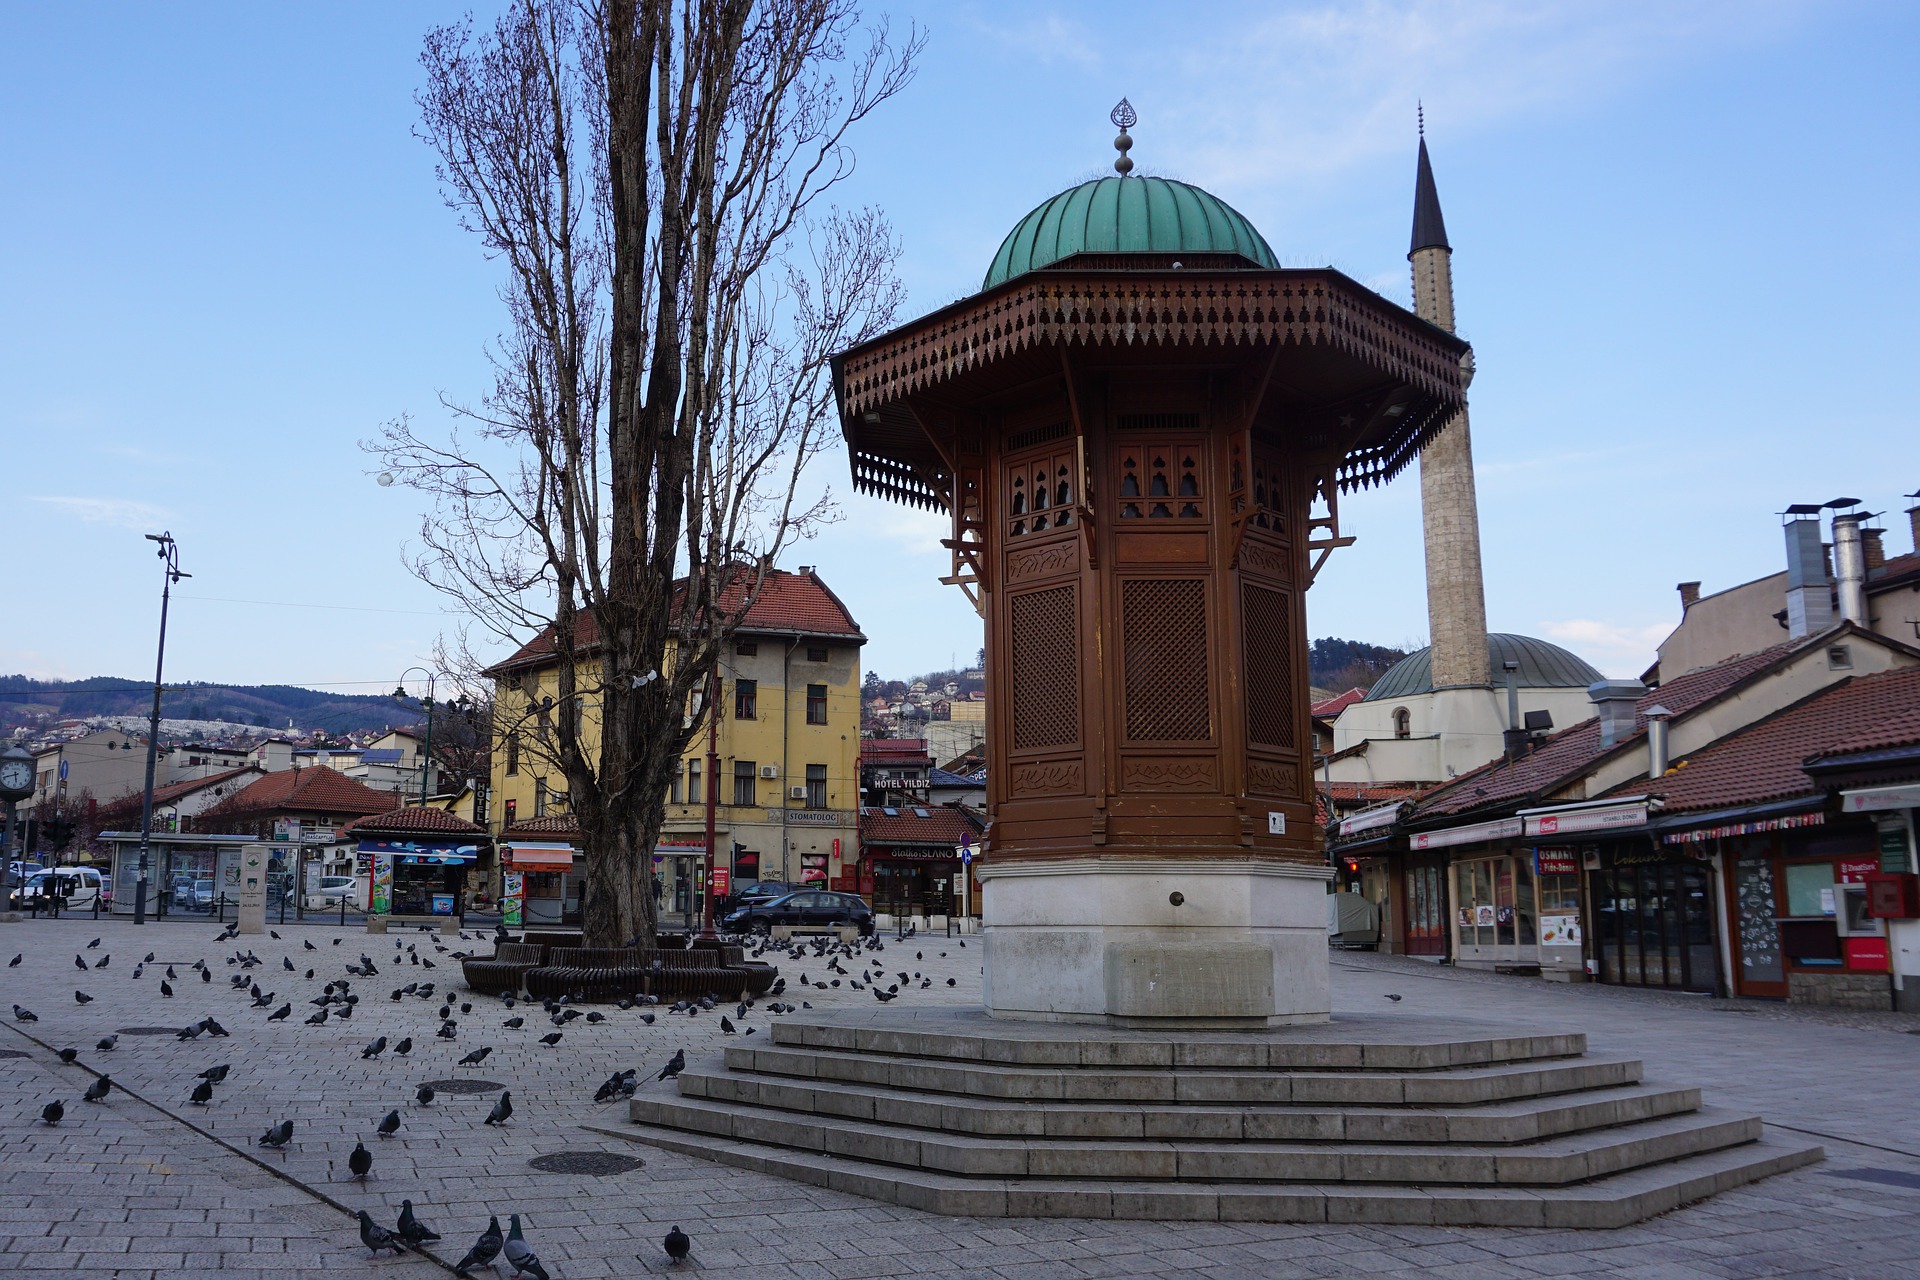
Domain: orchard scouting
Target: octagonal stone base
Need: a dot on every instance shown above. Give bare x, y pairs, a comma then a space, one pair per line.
1164, 942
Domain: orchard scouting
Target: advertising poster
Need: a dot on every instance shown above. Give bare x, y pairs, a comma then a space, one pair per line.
512, 891
1559, 931
382, 884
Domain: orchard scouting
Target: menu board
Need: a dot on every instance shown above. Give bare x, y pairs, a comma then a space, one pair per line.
1756, 923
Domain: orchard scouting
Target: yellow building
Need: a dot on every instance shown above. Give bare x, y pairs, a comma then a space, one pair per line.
789, 754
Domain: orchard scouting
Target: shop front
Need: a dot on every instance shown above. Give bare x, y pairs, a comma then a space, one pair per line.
539, 885
918, 863
419, 878
1802, 927
1654, 917
679, 878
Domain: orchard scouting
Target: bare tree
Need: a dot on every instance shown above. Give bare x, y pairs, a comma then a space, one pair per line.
652, 175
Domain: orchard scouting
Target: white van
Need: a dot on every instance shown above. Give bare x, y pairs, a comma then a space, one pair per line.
78, 887
332, 890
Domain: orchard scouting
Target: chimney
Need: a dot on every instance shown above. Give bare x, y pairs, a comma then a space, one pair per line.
1850, 564
1657, 717
1809, 591
1613, 701
1876, 550
1689, 592
1913, 525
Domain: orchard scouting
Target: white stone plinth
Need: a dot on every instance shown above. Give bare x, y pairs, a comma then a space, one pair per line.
1166, 942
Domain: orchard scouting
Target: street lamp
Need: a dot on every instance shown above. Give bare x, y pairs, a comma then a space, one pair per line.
169, 553
400, 695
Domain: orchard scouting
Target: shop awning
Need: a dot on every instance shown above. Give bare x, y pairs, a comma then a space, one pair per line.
1371, 819
539, 857
1564, 820
1501, 829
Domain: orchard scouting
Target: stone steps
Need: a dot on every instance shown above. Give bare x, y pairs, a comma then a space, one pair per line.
1551, 1162
1359, 1087
1372, 1118
1523, 1120
1617, 1200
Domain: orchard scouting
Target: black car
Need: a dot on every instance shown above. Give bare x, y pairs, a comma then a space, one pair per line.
808, 907
745, 891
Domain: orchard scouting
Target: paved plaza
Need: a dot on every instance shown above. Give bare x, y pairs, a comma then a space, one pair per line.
149, 1184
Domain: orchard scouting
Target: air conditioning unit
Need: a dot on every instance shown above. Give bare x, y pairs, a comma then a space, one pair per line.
796, 793
769, 770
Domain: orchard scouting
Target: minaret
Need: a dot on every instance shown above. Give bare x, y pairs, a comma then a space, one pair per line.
1456, 599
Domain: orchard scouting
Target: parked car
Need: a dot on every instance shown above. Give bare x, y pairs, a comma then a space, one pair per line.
78, 887
332, 890
193, 895
810, 907
745, 891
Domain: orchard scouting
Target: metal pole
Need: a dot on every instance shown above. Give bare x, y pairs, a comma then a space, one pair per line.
426, 761
713, 795
170, 557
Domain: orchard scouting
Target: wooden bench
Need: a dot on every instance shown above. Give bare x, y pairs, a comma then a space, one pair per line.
596, 972
503, 973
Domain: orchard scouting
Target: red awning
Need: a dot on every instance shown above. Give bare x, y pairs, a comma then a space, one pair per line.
540, 857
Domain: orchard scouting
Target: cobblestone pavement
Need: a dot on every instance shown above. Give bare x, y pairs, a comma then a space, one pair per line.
149, 1184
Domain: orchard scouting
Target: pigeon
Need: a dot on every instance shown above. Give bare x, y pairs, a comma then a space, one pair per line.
106, 1043
189, 1033
216, 1074
273, 935
484, 1250
647, 1018
678, 1245
317, 1018
21, 1014
67, 1056
550, 1040
15, 962
475, 1058
281, 1014
171, 974
278, 1136
377, 1237
308, 945
1396, 999
423, 1096
411, 1229
202, 1093
213, 1028
389, 1124
726, 1025
503, 1109
53, 1112
514, 1023
520, 1254
360, 1161
80, 963
98, 1090
374, 1050
166, 989
287, 963
104, 962
674, 1067
206, 975
404, 1048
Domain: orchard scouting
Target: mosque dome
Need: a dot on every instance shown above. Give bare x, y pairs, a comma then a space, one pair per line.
1128, 215
1542, 666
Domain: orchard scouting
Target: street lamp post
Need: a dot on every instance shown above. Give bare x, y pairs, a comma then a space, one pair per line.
400, 695
169, 552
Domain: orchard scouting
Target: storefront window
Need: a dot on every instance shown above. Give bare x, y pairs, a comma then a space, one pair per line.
1809, 889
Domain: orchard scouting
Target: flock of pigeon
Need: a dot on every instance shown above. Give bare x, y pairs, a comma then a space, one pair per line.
338, 1001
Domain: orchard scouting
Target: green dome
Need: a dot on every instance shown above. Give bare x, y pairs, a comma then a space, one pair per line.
1126, 215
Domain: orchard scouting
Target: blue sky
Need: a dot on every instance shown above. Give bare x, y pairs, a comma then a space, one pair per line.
1683, 250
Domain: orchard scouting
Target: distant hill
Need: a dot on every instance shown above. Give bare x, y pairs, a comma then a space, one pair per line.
1340, 665
264, 706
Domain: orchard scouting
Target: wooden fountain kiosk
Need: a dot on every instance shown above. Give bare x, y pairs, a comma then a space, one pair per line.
1141, 427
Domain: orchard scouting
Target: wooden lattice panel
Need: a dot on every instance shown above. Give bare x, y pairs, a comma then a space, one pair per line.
1267, 650
1163, 626
1046, 668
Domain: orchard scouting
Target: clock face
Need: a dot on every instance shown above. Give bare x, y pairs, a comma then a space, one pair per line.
16, 775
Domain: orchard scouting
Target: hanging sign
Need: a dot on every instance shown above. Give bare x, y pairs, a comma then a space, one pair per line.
1556, 862
1505, 828
1611, 817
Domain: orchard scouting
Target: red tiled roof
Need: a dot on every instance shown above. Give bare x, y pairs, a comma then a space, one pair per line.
1339, 702
906, 750
788, 603
1566, 753
1898, 729
315, 789
552, 826
413, 819
178, 790
1763, 761
1369, 792
943, 825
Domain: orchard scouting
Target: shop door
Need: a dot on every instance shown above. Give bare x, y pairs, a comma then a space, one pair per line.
1426, 909
1656, 926
1758, 967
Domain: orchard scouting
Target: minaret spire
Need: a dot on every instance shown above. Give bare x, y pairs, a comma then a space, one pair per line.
1449, 507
